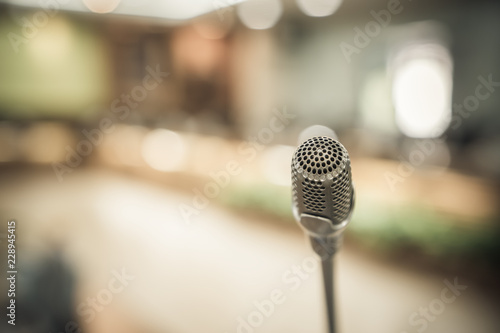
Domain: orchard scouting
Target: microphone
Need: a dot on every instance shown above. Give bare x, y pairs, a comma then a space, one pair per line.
323, 202
322, 192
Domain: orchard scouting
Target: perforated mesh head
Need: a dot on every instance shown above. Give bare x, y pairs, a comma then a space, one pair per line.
321, 179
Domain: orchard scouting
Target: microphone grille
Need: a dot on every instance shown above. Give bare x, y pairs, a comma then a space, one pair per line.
341, 194
321, 177
314, 195
320, 158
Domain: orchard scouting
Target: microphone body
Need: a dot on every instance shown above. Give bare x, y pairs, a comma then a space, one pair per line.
322, 192
323, 202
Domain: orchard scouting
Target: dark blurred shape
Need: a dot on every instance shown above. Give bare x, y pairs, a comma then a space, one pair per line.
44, 297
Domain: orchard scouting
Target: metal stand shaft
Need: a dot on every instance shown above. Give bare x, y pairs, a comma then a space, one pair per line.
326, 247
328, 283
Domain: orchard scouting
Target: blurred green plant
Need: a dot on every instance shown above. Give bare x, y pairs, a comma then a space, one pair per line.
382, 226
265, 198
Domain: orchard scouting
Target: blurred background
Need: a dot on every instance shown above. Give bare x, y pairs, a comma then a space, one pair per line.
145, 152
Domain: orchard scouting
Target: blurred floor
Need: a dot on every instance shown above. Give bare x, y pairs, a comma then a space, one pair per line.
204, 276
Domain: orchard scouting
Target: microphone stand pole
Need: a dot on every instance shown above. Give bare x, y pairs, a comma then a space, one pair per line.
326, 247
328, 283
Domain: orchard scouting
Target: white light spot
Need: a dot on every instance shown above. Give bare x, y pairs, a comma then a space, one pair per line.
275, 164
101, 6
421, 92
260, 14
164, 150
319, 8
316, 130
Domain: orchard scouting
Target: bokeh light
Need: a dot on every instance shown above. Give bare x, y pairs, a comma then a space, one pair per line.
275, 164
164, 150
421, 90
319, 8
316, 130
101, 6
260, 14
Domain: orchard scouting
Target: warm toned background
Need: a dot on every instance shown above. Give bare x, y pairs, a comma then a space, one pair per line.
183, 181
